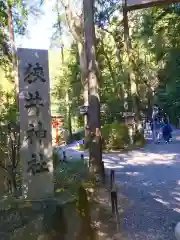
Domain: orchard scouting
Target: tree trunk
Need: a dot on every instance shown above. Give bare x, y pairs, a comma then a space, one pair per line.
117, 88
13, 49
68, 115
149, 98
68, 108
131, 74
60, 30
113, 76
121, 85
95, 145
14, 183
75, 24
11, 34
84, 81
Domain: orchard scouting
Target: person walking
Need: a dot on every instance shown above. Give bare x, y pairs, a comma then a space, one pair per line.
166, 131
155, 124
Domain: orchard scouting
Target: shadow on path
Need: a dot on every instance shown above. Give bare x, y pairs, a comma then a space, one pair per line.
147, 219
150, 178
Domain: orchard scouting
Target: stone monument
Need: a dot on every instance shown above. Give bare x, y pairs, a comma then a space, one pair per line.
35, 124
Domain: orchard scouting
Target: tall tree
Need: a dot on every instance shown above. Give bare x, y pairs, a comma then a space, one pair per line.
95, 145
132, 81
75, 23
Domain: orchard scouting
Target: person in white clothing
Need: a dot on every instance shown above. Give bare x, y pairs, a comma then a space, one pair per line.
155, 124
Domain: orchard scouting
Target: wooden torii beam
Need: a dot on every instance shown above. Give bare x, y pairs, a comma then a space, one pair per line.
158, 3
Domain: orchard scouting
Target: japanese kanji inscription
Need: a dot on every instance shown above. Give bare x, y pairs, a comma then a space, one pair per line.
38, 132
37, 164
33, 101
34, 73
35, 123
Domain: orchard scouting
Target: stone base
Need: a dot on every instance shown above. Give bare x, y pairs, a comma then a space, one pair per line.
40, 186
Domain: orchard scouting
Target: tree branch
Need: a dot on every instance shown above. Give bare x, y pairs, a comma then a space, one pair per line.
3, 167
111, 33
105, 30
70, 21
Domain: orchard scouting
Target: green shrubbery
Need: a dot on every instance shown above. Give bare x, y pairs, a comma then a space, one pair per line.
76, 136
138, 139
115, 136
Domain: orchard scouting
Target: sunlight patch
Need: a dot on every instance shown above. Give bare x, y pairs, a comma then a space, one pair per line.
177, 198
161, 201
133, 173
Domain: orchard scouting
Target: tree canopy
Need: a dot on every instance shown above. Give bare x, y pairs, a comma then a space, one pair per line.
154, 57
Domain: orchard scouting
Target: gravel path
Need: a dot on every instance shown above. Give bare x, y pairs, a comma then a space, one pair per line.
150, 178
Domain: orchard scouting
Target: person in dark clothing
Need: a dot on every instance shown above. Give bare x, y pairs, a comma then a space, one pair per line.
166, 131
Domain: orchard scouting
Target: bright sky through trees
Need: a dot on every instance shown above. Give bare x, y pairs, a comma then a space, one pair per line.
39, 30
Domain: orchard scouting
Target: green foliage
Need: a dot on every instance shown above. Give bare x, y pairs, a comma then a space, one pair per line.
83, 208
68, 178
82, 203
83, 147
138, 139
159, 32
20, 11
15, 11
155, 40
67, 87
115, 136
79, 135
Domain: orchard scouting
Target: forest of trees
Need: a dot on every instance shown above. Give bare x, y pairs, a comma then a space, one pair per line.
125, 60
137, 60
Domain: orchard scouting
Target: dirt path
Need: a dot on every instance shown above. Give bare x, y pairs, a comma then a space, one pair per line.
150, 178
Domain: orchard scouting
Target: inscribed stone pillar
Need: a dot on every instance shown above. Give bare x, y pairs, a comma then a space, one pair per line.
35, 123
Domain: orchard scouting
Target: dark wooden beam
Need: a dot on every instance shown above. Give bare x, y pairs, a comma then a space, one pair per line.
158, 3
